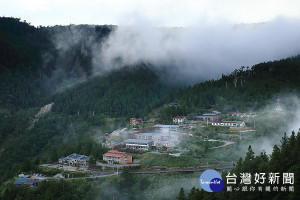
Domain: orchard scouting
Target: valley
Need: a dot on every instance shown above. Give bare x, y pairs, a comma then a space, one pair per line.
69, 130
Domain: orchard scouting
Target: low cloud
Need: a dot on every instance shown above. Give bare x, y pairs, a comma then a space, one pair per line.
200, 52
272, 124
184, 55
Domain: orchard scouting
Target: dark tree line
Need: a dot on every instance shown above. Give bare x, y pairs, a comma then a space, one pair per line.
51, 189
32, 67
54, 136
245, 89
284, 159
128, 92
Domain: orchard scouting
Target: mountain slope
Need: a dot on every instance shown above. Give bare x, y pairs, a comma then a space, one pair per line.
32, 66
282, 160
21, 81
128, 92
245, 89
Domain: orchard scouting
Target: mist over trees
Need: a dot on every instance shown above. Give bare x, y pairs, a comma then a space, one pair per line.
245, 89
41, 65
34, 64
284, 159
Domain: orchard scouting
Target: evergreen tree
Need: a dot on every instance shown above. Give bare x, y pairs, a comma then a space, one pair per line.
181, 195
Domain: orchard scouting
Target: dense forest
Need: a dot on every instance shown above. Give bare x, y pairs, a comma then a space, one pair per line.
284, 159
35, 71
21, 81
128, 92
76, 189
54, 136
244, 90
29, 63
33, 66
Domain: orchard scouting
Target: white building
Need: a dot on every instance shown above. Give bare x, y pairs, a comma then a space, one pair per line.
168, 140
229, 123
152, 136
248, 115
167, 143
231, 114
146, 136
138, 144
210, 117
179, 119
168, 127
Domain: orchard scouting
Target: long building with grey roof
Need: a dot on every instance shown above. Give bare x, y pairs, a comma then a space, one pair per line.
139, 144
74, 160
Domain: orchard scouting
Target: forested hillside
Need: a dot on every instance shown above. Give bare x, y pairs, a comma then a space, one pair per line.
21, 81
55, 135
128, 92
245, 89
33, 66
35, 70
284, 159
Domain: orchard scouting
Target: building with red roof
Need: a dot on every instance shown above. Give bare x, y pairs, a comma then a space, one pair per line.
135, 121
179, 119
116, 156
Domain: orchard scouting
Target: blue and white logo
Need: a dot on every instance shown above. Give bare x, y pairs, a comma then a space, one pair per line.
211, 181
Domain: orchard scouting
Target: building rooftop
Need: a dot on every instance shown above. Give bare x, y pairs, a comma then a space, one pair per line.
138, 141
166, 126
228, 122
23, 180
165, 141
179, 117
75, 156
148, 134
84, 158
209, 114
198, 117
139, 119
115, 153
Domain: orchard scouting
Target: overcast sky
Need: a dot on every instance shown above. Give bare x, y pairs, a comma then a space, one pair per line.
160, 12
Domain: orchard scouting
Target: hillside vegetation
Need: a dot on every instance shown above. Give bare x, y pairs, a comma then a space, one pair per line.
35, 72
244, 90
283, 159
128, 92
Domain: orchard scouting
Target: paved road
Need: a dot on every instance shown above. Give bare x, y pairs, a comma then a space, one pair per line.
170, 170
198, 169
102, 175
97, 174
224, 145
